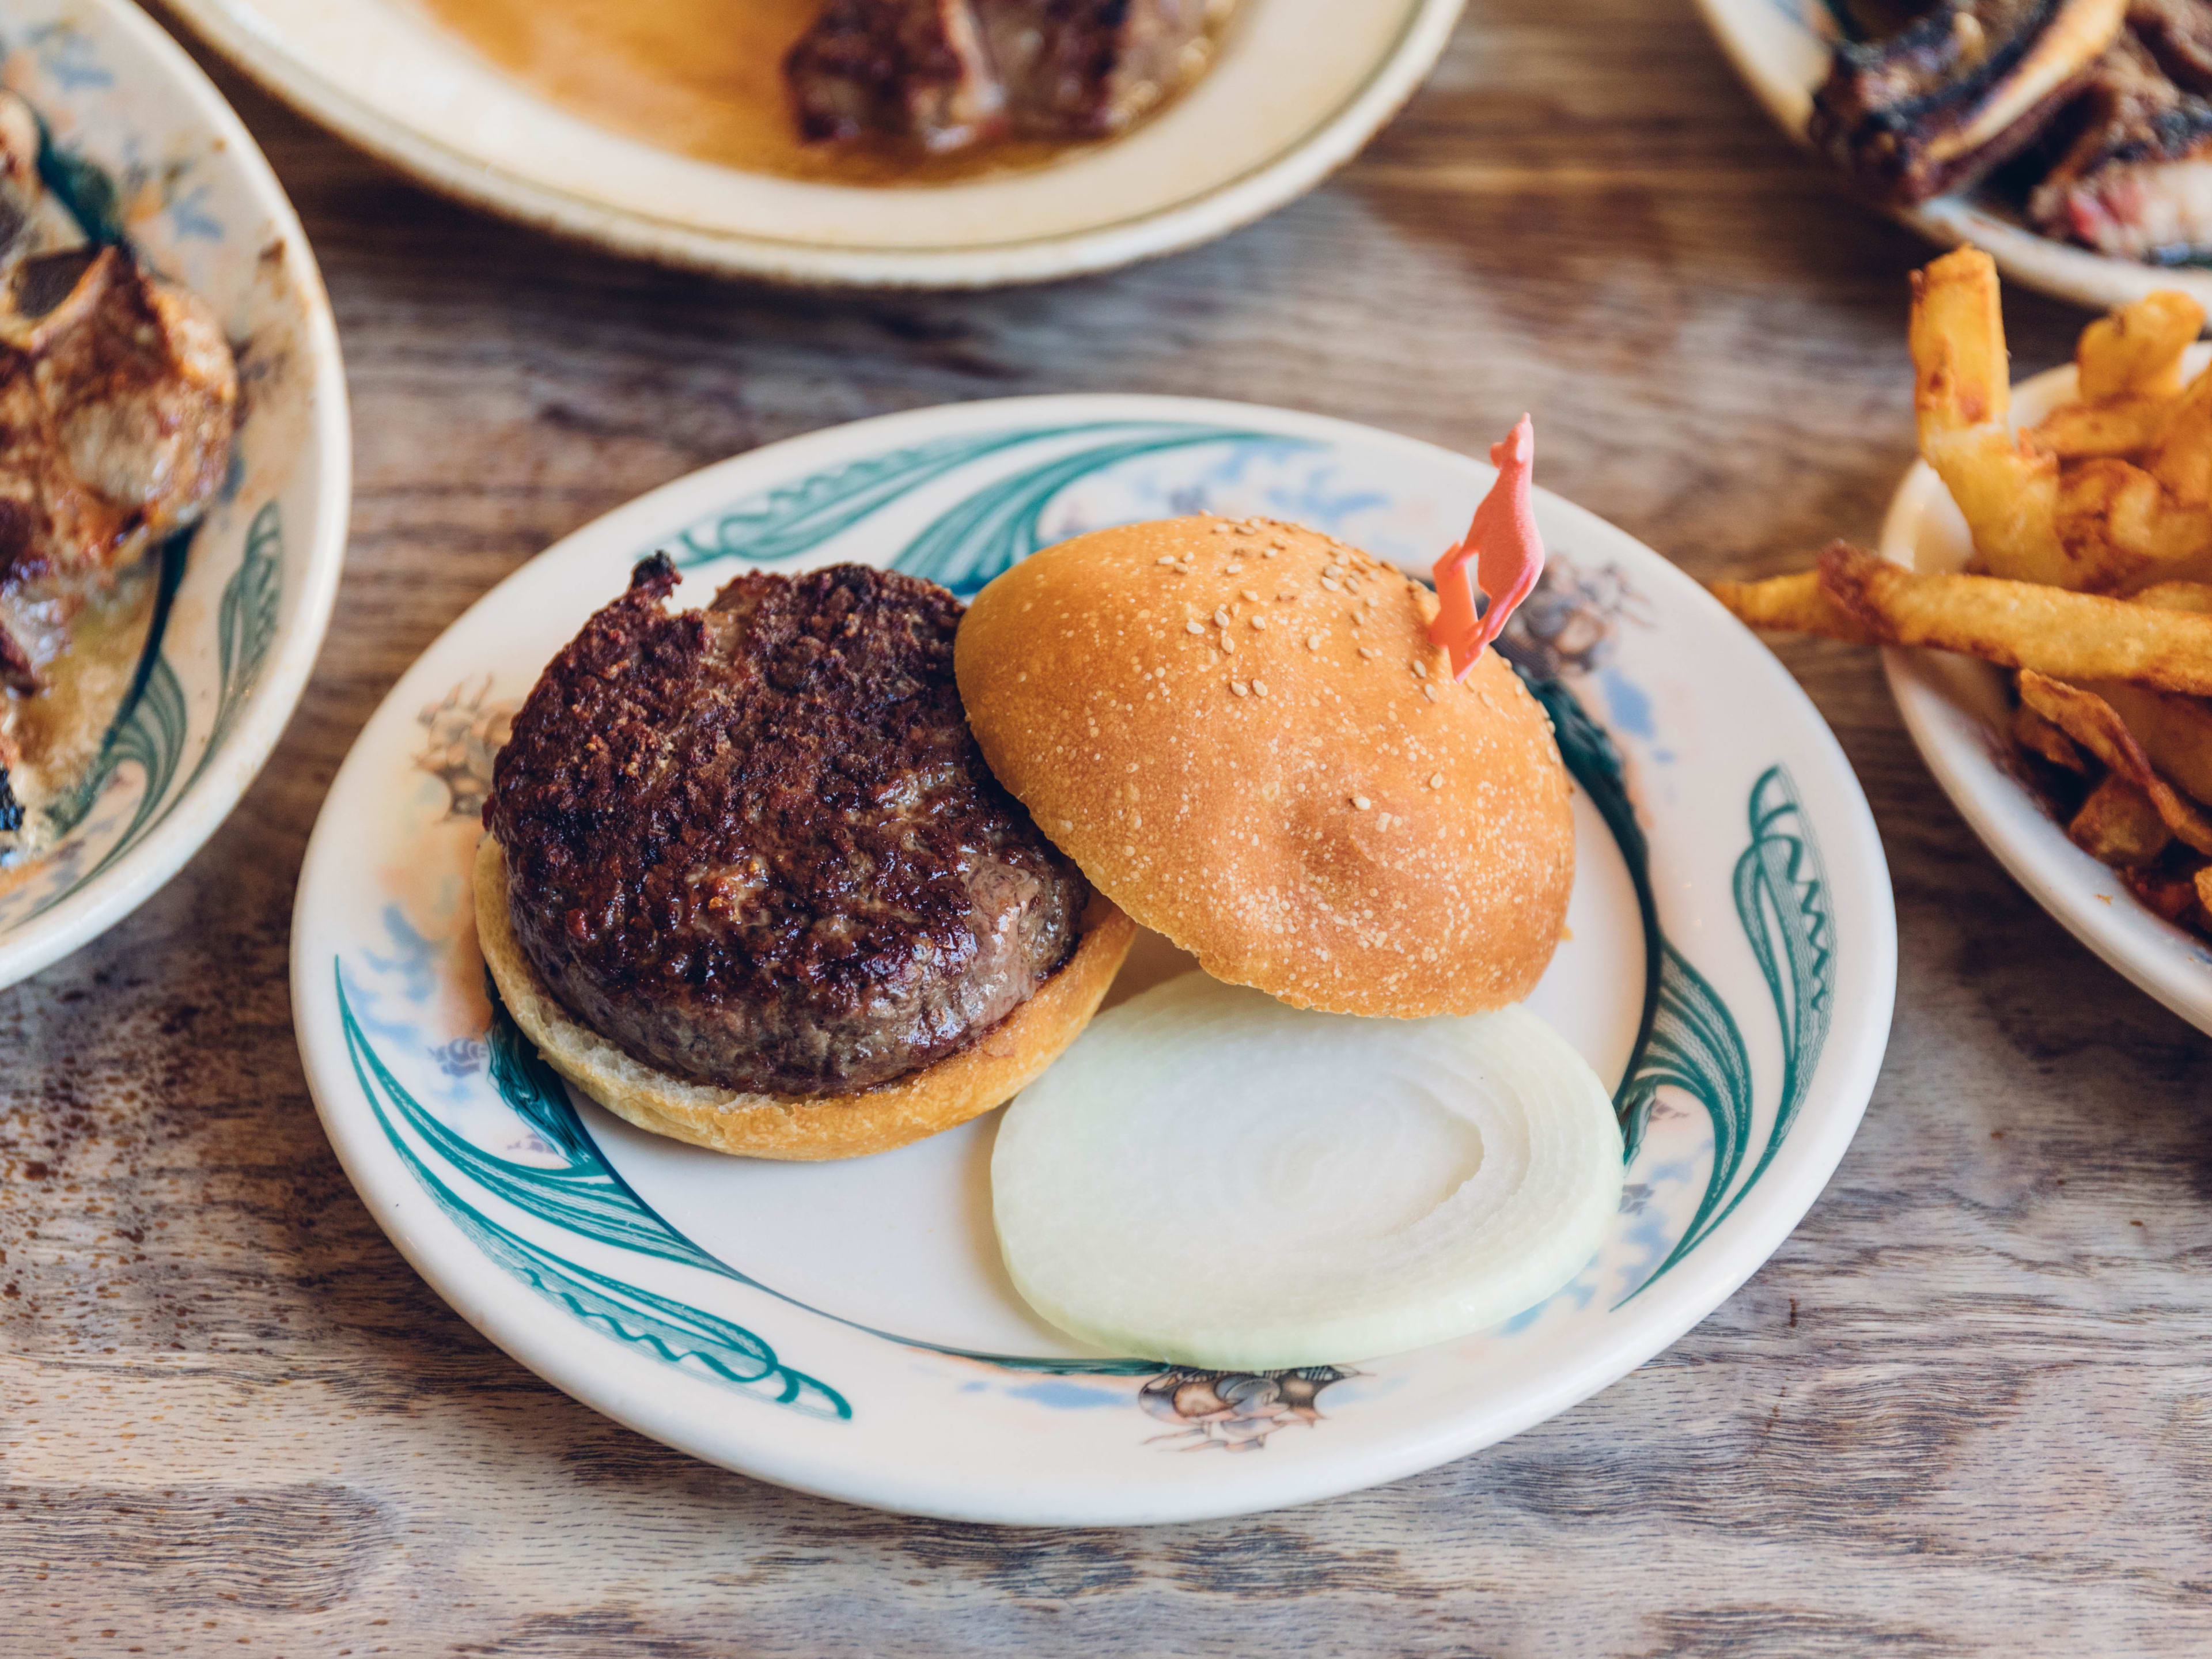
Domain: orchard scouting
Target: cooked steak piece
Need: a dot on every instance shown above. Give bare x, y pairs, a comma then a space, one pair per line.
1935, 107
2177, 34
910, 67
2135, 180
949, 72
755, 844
117, 399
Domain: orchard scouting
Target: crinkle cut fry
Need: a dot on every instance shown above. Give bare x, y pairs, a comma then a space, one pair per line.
2092, 723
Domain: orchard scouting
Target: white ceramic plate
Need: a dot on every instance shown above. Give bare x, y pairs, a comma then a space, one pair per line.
131, 118
1780, 48
1298, 87
1958, 715
847, 1328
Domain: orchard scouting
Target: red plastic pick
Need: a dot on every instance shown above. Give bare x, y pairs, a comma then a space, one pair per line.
1505, 550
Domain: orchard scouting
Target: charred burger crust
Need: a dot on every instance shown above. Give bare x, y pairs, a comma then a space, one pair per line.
757, 846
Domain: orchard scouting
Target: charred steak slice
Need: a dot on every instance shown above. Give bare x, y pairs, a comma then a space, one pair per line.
2136, 181
755, 844
949, 72
1936, 106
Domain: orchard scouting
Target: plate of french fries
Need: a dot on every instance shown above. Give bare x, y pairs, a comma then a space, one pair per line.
2044, 597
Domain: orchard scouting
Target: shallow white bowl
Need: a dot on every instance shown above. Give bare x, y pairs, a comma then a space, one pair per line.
199, 202
848, 1327
1958, 713
1298, 87
1780, 47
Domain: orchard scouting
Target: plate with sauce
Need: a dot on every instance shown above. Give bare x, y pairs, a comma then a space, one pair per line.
666, 129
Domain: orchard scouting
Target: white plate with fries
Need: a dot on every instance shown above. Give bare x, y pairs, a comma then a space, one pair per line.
2056, 595
2056, 546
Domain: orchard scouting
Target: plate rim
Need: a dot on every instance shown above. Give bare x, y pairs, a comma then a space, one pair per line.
107, 897
1174, 228
527, 1328
2126, 936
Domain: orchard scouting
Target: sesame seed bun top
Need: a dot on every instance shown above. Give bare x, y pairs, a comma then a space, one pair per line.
1240, 730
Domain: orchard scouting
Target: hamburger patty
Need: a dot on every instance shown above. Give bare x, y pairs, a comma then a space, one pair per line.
756, 845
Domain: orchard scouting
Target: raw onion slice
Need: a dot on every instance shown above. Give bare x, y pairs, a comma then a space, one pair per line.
1212, 1178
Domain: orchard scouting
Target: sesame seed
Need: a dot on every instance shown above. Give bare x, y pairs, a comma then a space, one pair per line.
1382, 820
1221, 617
1195, 627
1164, 558
1268, 552
1420, 671
1228, 645
1221, 526
1430, 692
1129, 849
1436, 779
1351, 584
1361, 802
1259, 688
1259, 621
1368, 599
1234, 566
1251, 595
1313, 641
1369, 651
1331, 570
1332, 584
1239, 687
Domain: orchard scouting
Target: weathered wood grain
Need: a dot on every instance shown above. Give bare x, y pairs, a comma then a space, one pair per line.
1967, 1409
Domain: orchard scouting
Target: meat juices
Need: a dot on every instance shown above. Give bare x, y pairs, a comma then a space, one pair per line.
755, 844
952, 72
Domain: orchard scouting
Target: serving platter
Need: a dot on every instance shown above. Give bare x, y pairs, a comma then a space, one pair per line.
1781, 50
1296, 87
142, 148
1959, 716
847, 1328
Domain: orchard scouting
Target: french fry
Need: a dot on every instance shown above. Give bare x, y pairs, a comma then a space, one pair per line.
2040, 737
1961, 378
2082, 431
2068, 636
2175, 733
2182, 460
1792, 604
2118, 825
2136, 351
2009, 493
2119, 526
2090, 721
2177, 596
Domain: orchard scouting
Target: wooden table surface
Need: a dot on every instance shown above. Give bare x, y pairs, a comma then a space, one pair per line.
1967, 1408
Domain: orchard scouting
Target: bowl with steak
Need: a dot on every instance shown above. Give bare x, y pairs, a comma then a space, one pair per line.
2071, 139
747, 881
174, 467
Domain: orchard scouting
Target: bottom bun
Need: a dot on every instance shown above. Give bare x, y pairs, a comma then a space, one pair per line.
990, 1072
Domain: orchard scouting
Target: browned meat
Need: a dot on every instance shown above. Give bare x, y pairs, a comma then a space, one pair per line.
118, 398
910, 67
950, 72
757, 846
1935, 107
2135, 178
2178, 34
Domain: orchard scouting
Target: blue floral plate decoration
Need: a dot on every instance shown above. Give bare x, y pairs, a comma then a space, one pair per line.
141, 149
847, 1328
